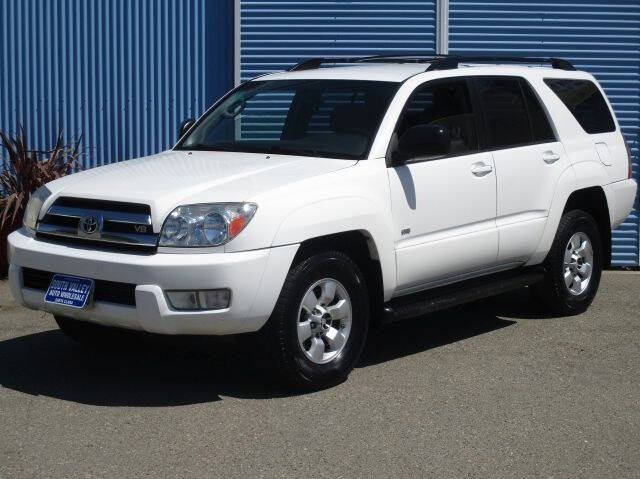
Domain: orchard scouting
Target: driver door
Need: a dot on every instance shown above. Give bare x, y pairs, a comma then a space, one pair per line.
444, 204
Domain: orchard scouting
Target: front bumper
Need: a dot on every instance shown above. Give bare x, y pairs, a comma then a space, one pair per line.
255, 279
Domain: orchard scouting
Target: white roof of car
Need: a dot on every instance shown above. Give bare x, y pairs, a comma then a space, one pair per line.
398, 72
394, 72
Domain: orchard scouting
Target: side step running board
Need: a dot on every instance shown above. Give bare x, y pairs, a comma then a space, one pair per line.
418, 304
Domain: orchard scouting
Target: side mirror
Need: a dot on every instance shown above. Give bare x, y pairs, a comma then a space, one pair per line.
184, 126
422, 141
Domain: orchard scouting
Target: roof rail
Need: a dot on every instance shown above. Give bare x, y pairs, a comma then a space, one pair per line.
313, 63
437, 62
452, 61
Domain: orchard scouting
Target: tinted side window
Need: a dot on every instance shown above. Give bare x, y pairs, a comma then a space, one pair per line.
444, 103
541, 129
585, 102
505, 113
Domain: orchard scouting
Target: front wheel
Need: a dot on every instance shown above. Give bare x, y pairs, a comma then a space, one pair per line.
319, 325
573, 265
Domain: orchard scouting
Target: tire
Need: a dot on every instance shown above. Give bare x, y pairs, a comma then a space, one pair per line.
94, 335
322, 359
574, 294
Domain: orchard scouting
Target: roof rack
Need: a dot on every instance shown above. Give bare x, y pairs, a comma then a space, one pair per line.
313, 63
437, 62
452, 61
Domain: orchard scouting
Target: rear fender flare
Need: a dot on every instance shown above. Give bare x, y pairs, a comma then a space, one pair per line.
565, 186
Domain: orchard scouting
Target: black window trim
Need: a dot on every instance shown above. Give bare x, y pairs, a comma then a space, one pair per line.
545, 111
527, 109
616, 126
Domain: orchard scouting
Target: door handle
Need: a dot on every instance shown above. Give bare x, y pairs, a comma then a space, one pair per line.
481, 169
550, 157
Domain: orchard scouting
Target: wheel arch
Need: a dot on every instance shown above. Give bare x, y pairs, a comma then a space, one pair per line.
353, 217
593, 200
360, 246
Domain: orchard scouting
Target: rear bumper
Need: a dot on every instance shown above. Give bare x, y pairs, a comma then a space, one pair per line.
255, 279
621, 196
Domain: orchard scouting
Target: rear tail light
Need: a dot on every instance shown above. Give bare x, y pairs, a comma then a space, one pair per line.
626, 145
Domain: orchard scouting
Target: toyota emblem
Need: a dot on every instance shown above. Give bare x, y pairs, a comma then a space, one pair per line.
89, 225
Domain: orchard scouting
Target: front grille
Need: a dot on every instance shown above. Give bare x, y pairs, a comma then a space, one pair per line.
107, 291
125, 226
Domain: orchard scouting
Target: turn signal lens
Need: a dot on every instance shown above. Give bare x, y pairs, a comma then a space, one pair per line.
235, 226
34, 205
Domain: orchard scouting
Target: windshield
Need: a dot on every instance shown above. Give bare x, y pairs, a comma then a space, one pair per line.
324, 118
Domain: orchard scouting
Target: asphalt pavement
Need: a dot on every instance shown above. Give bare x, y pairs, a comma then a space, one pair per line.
492, 389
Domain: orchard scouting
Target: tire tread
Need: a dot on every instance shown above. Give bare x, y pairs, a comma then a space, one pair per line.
551, 292
274, 333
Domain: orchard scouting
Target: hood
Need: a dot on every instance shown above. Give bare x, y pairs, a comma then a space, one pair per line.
175, 178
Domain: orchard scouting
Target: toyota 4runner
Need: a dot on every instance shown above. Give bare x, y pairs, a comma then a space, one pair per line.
307, 204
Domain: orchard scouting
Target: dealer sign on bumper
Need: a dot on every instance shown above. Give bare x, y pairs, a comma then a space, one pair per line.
69, 291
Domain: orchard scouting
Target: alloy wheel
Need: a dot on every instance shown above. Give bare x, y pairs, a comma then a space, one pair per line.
578, 263
324, 320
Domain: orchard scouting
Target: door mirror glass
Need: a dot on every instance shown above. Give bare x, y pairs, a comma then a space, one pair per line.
184, 126
422, 141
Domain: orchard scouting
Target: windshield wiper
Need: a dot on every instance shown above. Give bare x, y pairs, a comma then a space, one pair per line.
282, 150
238, 149
203, 147
271, 149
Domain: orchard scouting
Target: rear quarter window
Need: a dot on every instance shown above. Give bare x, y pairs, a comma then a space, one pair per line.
585, 102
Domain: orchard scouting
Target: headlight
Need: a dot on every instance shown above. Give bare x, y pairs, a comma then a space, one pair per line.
205, 225
32, 211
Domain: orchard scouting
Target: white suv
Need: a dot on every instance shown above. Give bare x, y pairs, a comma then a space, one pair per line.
305, 205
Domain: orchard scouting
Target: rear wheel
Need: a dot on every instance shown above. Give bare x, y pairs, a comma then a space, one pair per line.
574, 265
318, 328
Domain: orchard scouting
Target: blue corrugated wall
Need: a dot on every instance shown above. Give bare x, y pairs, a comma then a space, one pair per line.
122, 72
276, 34
125, 72
602, 38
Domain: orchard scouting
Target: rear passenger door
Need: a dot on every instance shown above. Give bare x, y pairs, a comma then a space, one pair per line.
528, 160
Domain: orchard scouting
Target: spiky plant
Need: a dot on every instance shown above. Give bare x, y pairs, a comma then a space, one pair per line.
29, 169
26, 171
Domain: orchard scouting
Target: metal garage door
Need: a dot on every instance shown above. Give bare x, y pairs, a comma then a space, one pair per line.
274, 35
602, 38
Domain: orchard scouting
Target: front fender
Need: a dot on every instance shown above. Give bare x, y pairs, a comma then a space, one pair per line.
337, 215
